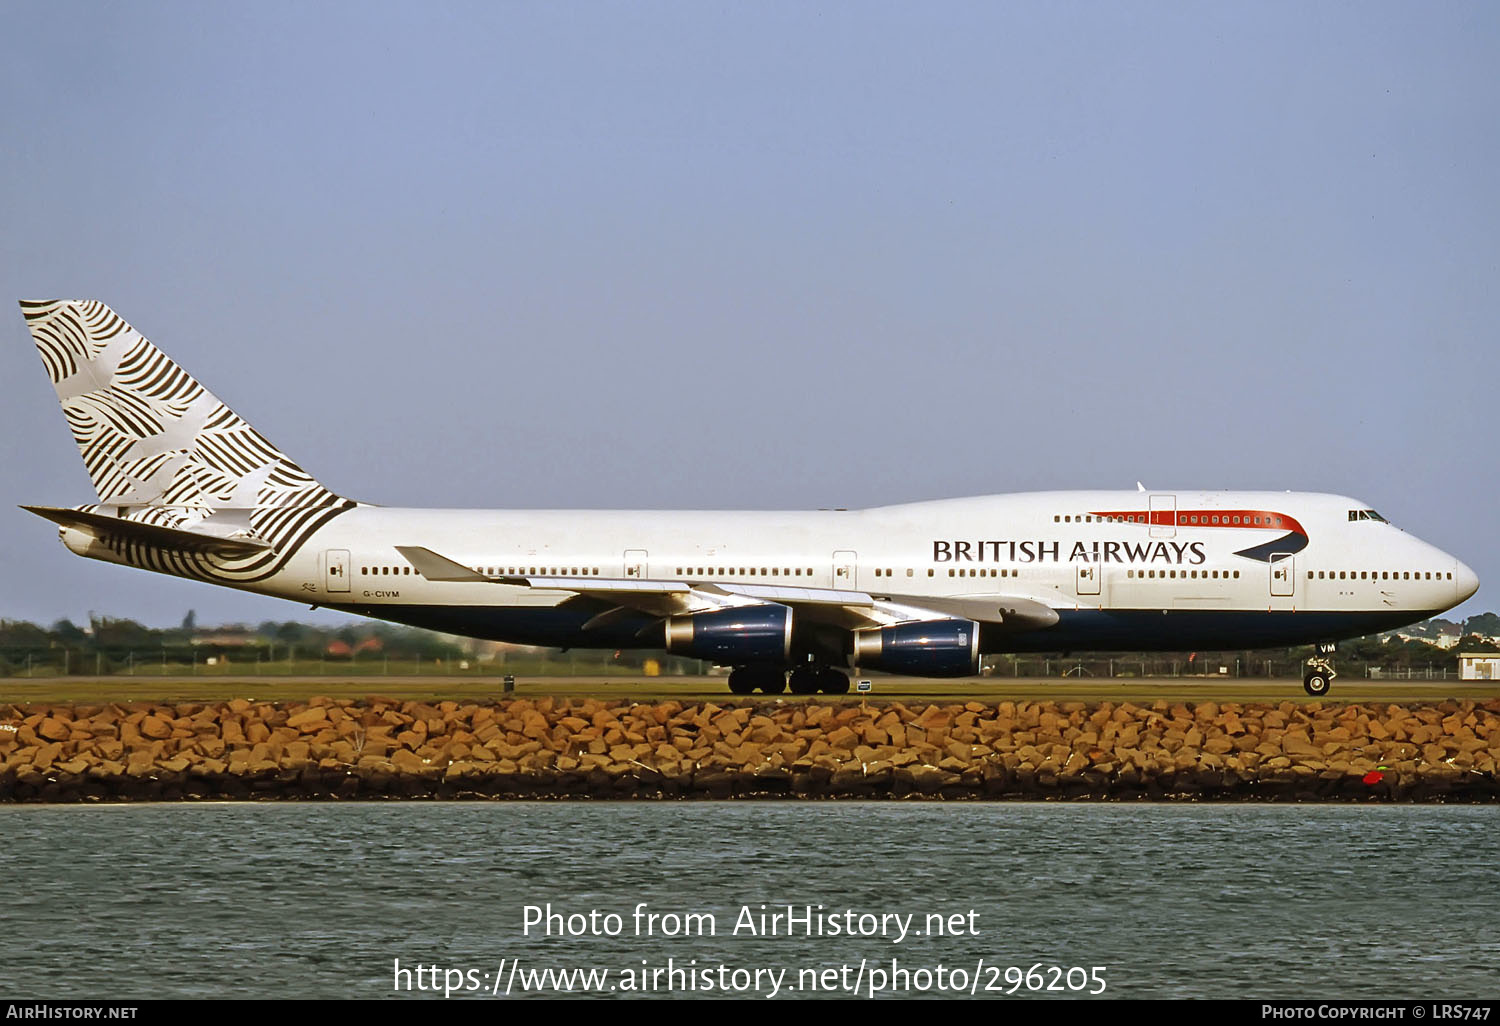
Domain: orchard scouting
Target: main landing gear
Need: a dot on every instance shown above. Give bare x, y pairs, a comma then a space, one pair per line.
745, 680
1320, 672
808, 679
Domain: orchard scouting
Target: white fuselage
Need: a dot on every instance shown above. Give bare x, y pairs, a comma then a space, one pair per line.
1218, 564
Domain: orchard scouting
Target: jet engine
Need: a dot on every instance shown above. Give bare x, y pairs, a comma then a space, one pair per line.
734, 636
930, 648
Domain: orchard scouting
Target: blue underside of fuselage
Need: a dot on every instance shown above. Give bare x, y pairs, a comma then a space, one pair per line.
1130, 630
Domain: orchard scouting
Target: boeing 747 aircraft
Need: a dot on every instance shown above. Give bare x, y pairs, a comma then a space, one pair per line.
187, 488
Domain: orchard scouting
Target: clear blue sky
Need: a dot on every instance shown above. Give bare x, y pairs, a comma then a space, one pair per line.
767, 255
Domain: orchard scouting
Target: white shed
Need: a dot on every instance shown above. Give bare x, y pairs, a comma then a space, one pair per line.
1479, 666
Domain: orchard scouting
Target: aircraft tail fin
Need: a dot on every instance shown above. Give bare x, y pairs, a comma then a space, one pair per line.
150, 435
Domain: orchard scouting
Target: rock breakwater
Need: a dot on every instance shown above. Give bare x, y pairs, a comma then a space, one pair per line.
558, 748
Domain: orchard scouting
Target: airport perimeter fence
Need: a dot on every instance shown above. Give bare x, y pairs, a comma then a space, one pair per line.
1244, 666
52, 664
144, 663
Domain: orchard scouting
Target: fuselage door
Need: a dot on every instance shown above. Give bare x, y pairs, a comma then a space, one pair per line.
635, 564
1088, 579
846, 570
1283, 574
336, 569
1163, 516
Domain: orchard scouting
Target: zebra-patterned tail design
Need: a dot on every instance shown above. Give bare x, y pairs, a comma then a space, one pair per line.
163, 450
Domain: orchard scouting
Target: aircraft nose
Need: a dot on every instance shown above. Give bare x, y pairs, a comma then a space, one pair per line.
1465, 582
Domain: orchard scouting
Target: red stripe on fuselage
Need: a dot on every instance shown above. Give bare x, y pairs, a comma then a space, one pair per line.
1254, 519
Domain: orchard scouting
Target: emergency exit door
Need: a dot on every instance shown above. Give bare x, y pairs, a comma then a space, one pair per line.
336, 569
845, 570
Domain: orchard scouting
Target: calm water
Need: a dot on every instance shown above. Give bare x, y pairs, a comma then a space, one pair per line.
319, 900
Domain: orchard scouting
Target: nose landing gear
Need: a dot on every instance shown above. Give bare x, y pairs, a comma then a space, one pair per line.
1320, 672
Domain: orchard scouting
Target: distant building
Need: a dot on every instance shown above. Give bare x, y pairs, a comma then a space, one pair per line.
1479, 666
226, 637
1443, 641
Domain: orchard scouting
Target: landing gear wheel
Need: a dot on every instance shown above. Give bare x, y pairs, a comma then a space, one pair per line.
745, 680
1320, 673
832, 682
804, 681
742, 680
1316, 683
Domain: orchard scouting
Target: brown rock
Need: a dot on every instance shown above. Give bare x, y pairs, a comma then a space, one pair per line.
155, 727
843, 738
54, 729
406, 761
315, 717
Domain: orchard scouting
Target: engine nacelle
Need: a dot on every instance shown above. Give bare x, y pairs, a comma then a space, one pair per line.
931, 648
734, 636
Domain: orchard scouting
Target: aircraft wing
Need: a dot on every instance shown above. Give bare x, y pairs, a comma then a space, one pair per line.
1013, 612
659, 598
851, 610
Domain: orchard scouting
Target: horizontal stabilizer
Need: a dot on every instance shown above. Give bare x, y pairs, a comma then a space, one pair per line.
152, 534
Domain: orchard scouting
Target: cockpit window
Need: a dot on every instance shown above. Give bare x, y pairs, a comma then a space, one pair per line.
1366, 514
